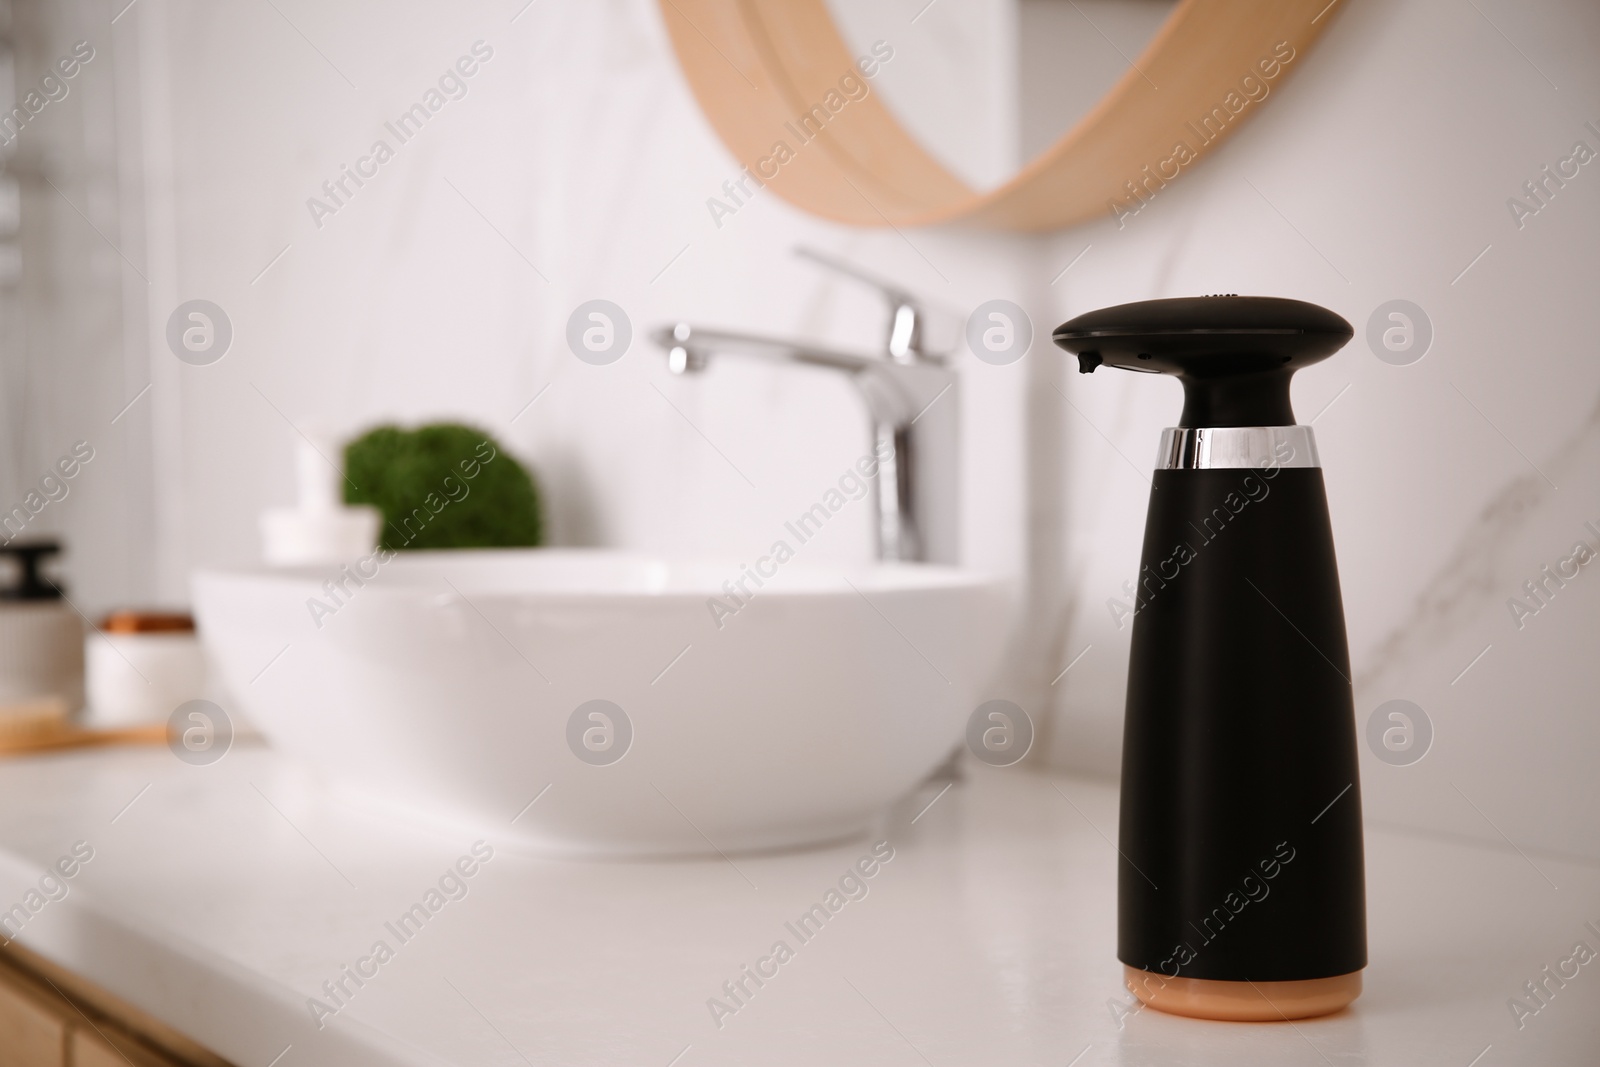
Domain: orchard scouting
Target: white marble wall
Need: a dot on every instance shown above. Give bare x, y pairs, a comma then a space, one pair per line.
1382, 171
577, 167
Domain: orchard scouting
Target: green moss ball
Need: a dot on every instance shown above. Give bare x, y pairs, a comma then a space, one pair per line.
443, 485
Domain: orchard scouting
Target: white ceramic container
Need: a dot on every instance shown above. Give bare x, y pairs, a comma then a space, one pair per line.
137, 679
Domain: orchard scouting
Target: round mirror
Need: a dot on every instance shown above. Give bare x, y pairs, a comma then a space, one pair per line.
1012, 114
984, 87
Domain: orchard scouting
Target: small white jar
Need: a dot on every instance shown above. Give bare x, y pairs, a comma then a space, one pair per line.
139, 666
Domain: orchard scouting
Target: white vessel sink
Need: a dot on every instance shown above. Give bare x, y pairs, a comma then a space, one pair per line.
446, 685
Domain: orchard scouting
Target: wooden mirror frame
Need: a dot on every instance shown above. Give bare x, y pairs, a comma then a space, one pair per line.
758, 66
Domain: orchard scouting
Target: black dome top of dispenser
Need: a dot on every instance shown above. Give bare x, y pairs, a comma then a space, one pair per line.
1234, 354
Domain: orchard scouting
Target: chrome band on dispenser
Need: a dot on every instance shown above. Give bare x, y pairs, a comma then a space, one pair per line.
1209, 448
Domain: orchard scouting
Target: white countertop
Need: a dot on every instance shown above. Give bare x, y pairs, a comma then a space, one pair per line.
224, 896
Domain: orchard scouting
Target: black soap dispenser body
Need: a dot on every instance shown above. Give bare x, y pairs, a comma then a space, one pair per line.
1240, 888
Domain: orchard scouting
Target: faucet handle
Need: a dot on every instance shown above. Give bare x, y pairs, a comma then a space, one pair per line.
905, 343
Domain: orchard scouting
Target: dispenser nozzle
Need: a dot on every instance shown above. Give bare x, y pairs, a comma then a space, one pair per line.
1233, 354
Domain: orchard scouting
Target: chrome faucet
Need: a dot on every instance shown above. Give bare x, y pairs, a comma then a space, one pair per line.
910, 396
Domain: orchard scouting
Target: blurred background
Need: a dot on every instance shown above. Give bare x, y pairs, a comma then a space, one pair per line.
182, 159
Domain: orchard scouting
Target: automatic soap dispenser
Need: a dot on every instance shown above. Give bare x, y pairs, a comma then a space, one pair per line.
1240, 886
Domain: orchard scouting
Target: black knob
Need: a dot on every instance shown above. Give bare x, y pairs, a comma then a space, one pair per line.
30, 583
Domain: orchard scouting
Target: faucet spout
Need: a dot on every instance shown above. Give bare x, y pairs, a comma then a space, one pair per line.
681, 358
913, 437
729, 342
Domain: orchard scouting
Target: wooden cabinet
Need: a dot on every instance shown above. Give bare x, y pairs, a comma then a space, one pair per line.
52, 1019
103, 1048
33, 1032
